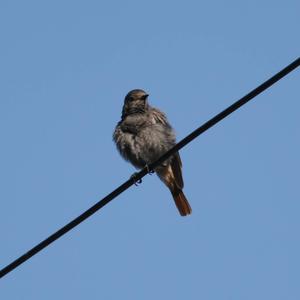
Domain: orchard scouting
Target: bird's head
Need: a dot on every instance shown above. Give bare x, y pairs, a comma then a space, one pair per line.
135, 102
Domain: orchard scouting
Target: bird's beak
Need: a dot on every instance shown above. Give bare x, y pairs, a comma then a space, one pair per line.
145, 96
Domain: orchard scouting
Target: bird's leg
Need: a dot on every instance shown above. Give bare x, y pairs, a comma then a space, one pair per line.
150, 171
135, 180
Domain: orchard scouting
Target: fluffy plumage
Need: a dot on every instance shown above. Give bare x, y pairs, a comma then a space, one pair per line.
142, 136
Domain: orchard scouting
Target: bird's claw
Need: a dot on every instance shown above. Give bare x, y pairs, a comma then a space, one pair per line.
135, 180
150, 171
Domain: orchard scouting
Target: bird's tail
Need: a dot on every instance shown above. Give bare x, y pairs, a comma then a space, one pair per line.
181, 202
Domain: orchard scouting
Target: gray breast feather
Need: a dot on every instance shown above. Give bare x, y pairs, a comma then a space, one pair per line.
144, 139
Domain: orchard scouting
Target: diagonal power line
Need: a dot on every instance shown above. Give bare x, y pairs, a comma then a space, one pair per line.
56, 235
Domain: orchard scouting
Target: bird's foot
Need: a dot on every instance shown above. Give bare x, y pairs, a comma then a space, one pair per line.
135, 180
149, 170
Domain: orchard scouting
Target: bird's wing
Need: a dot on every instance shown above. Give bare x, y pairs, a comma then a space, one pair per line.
176, 168
176, 164
159, 117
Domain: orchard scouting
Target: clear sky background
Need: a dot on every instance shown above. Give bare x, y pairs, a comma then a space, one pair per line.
65, 67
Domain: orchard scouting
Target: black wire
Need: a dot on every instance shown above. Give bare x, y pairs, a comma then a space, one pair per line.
145, 170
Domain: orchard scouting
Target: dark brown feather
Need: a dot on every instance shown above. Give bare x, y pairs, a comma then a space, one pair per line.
176, 168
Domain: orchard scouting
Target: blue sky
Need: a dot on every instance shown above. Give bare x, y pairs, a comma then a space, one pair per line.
65, 67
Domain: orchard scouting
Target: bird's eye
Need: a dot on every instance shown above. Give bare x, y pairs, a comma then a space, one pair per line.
129, 99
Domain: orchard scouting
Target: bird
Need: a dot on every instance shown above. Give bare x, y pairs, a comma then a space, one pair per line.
142, 136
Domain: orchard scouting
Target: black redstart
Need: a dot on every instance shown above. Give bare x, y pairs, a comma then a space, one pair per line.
142, 136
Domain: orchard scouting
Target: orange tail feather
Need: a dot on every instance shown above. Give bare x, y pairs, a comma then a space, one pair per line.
181, 202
